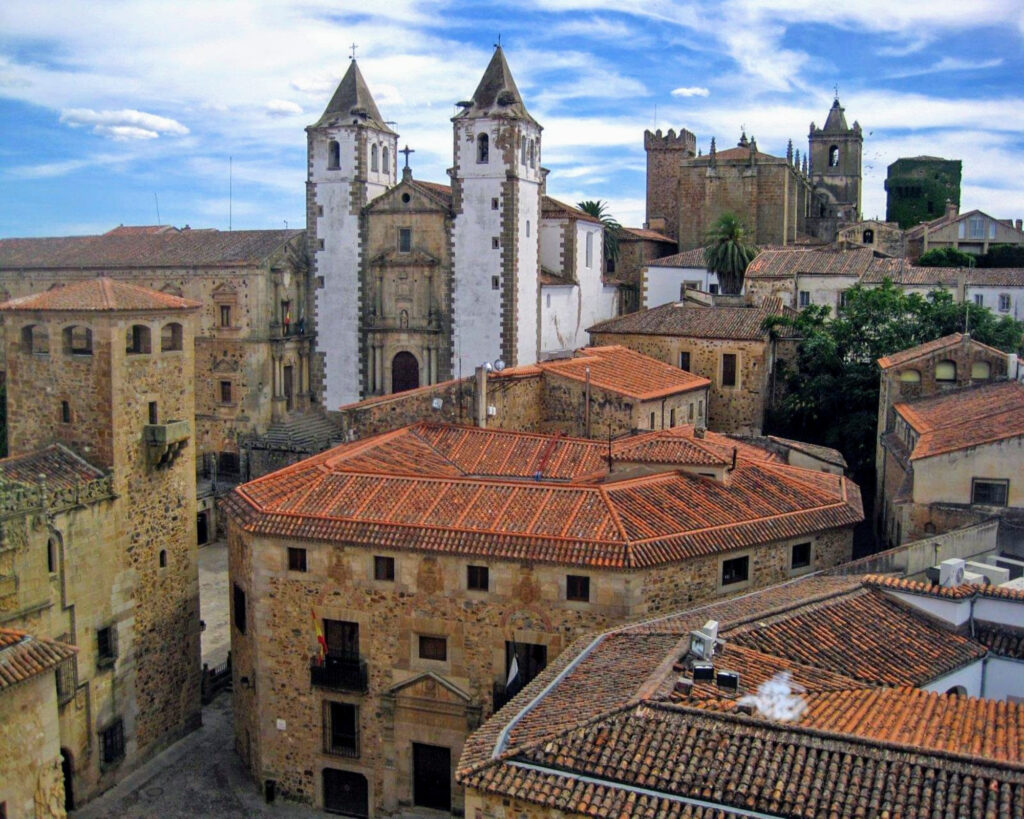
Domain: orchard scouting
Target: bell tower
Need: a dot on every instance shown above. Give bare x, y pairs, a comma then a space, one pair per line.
496, 193
835, 170
351, 160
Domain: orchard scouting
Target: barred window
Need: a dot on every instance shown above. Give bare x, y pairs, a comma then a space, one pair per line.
112, 742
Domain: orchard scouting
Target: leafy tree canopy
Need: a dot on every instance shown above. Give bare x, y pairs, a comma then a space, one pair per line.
728, 252
946, 257
1003, 256
599, 208
832, 393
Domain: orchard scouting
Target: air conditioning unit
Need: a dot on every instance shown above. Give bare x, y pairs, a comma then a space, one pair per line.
951, 572
996, 574
975, 579
437, 403
702, 642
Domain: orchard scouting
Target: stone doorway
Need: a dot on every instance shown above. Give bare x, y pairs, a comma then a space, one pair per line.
431, 776
405, 372
289, 387
202, 528
67, 772
345, 793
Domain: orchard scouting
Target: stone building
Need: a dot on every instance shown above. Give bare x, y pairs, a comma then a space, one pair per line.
420, 282
917, 189
253, 338
97, 516
830, 695
723, 340
778, 199
436, 561
885, 237
31, 781
944, 424
637, 247
972, 232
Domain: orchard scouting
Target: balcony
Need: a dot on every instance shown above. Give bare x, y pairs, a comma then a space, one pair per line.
339, 674
164, 442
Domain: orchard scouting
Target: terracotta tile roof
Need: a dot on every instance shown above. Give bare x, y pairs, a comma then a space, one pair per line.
995, 276
694, 321
902, 584
1001, 592
510, 495
899, 272
929, 347
822, 453
742, 154
770, 264
436, 190
101, 295
644, 233
1001, 640
56, 466
966, 418
135, 230
23, 656
620, 370
866, 636
551, 208
693, 258
128, 248
917, 231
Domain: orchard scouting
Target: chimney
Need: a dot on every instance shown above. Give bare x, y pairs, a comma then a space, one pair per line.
481, 396
1018, 226
951, 209
698, 432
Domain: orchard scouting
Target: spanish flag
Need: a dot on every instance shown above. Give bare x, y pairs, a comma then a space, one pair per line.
321, 651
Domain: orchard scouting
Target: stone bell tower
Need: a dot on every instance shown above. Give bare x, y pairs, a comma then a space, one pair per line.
835, 170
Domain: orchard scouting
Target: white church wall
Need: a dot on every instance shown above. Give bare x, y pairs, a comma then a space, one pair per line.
551, 239
662, 285
528, 273
559, 306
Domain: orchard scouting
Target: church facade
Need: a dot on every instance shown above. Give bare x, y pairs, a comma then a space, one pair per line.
418, 282
779, 199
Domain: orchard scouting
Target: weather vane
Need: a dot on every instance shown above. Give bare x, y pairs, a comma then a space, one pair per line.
498, 44
353, 55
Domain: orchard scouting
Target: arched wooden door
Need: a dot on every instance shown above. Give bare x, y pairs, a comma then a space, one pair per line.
405, 372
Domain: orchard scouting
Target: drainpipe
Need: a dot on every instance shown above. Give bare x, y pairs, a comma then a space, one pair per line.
481, 397
586, 409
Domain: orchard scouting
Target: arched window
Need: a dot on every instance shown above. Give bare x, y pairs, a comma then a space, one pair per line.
77, 340
385, 157
35, 339
373, 157
957, 691
980, 371
833, 156
333, 155
483, 149
522, 150
170, 337
137, 340
53, 553
533, 157
910, 377
945, 371
869, 237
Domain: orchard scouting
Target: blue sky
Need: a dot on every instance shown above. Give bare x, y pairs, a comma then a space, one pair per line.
109, 110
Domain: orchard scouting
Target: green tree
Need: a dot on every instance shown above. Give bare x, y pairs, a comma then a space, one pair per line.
728, 252
1003, 256
946, 257
832, 392
598, 208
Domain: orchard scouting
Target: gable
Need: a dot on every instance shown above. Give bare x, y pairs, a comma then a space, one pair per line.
430, 686
419, 200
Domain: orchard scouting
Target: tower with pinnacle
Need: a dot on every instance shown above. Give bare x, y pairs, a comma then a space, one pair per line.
496, 197
835, 170
351, 160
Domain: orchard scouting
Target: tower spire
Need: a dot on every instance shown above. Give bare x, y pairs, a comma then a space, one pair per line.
353, 101
497, 93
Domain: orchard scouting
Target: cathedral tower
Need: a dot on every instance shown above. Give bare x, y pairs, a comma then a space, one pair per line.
351, 159
496, 191
836, 165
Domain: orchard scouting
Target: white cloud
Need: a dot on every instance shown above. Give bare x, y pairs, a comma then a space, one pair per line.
949, 64
125, 124
691, 91
282, 108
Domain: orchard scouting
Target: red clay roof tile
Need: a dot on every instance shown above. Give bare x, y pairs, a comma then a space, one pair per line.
23, 656
100, 295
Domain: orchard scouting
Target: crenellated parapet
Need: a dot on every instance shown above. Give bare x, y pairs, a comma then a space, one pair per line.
684, 141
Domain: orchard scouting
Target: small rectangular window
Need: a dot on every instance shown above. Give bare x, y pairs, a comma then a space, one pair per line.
495, 243
154, 412
801, 556
319, 210
494, 203
805, 298
989, 492
112, 742
320, 244
684, 361
736, 570
239, 608
672, 417
713, 289
383, 568
477, 578
652, 421
404, 240
65, 412
1004, 302
341, 729
979, 299
433, 648
225, 315
729, 370
689, 412
590, 250
106, 646
225, 392
296, 559
577, 587
495, 283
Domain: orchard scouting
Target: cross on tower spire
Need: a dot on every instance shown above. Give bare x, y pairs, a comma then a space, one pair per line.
498, 44
407, 150
836, 89
352, 56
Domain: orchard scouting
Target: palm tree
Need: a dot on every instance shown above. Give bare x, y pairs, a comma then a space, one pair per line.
599, 209
728, 253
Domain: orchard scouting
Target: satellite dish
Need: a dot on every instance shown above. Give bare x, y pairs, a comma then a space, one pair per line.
499, 365
487, 366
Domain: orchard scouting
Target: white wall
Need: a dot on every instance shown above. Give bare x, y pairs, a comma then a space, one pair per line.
1003, 678
823, 289
956, 612
1004, 612
969, 677
990, 299
662, 285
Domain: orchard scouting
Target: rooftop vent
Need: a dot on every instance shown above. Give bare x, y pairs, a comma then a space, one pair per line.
728, 680
703, 672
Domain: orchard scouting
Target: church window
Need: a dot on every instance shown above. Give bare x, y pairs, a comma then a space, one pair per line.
729, 369
35, 339
373, 157
77, 340
527, 227
65, 412
522, 150
385, 159
684, 361
577, 587
170, 337
483, 149
225, 312
495, 243
533, 158
590, 250
945, 371
495, 283
137, 340
153, 413
833, 156
163, 559
869, 237
980, 371
1004, 302
225, 392
404, 240
406, 199
333, 155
